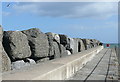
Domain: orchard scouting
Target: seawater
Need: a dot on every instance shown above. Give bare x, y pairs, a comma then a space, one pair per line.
112, 45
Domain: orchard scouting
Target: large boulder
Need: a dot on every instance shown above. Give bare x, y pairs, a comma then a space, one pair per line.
81, 46
16, 45
57, 52
52, 37
75, 49
72, 44
38, 42
63, 51
55, 48
5, 63
87, 43
65, 41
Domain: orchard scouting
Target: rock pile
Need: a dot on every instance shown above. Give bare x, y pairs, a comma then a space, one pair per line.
28, 47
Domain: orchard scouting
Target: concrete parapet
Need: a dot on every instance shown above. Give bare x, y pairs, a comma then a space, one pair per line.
57, 69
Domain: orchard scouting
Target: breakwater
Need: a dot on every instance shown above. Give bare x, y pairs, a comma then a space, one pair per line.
28, 47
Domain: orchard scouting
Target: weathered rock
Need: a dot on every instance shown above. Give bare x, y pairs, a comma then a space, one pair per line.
5, 63
72, 44
22, 63
81, 46
19, 64
42, 60
55, 48
87, 43
63, 51
68, 52
64, 40
16, 45
57, 51
75, 49
31, 61
51, 39
38, 42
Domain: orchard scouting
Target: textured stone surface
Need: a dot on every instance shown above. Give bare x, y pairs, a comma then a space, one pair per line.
16, 45
72, 44
75, 49
5, 63
65, 41
22, 63
42, 60
68, 52
81, 46
56, 50
19, 64
51, 40
63, 51
38, 42
87, 43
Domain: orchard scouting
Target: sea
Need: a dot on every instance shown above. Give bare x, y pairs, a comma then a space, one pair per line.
112, 45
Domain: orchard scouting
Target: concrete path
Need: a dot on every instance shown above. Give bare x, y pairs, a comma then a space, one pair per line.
104, 66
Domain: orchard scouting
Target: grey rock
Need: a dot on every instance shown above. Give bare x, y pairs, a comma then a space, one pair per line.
5, 62
63, 51
22, 63
81, 46
68, 52
19, 64
72, 44
31, 61
51, 39
75, 49
16, 45
65, 41
57, 53
43, 60
55, 48
38, 42
87, 43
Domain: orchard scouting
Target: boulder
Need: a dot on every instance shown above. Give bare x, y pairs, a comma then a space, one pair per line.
65, 41
72, 44
63, 51
38, 42
55, 48
5, 62
81, 46
22, 63
51, 39
57, 52
31, 61
68, 52
42, 60
16, 45
75, 49
19, 64
87, 43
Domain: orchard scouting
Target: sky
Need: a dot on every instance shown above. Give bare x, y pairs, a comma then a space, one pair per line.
92, 20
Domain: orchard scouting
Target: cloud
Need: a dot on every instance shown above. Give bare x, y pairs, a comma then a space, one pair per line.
69, 10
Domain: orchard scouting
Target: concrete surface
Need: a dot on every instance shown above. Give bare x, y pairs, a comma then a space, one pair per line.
104, 66
57, 69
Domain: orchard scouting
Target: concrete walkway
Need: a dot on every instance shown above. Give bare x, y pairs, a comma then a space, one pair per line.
104, 66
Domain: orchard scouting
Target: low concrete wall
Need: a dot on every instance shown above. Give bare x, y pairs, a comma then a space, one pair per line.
57, 69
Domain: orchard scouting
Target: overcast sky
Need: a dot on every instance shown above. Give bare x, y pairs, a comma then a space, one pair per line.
98, 20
